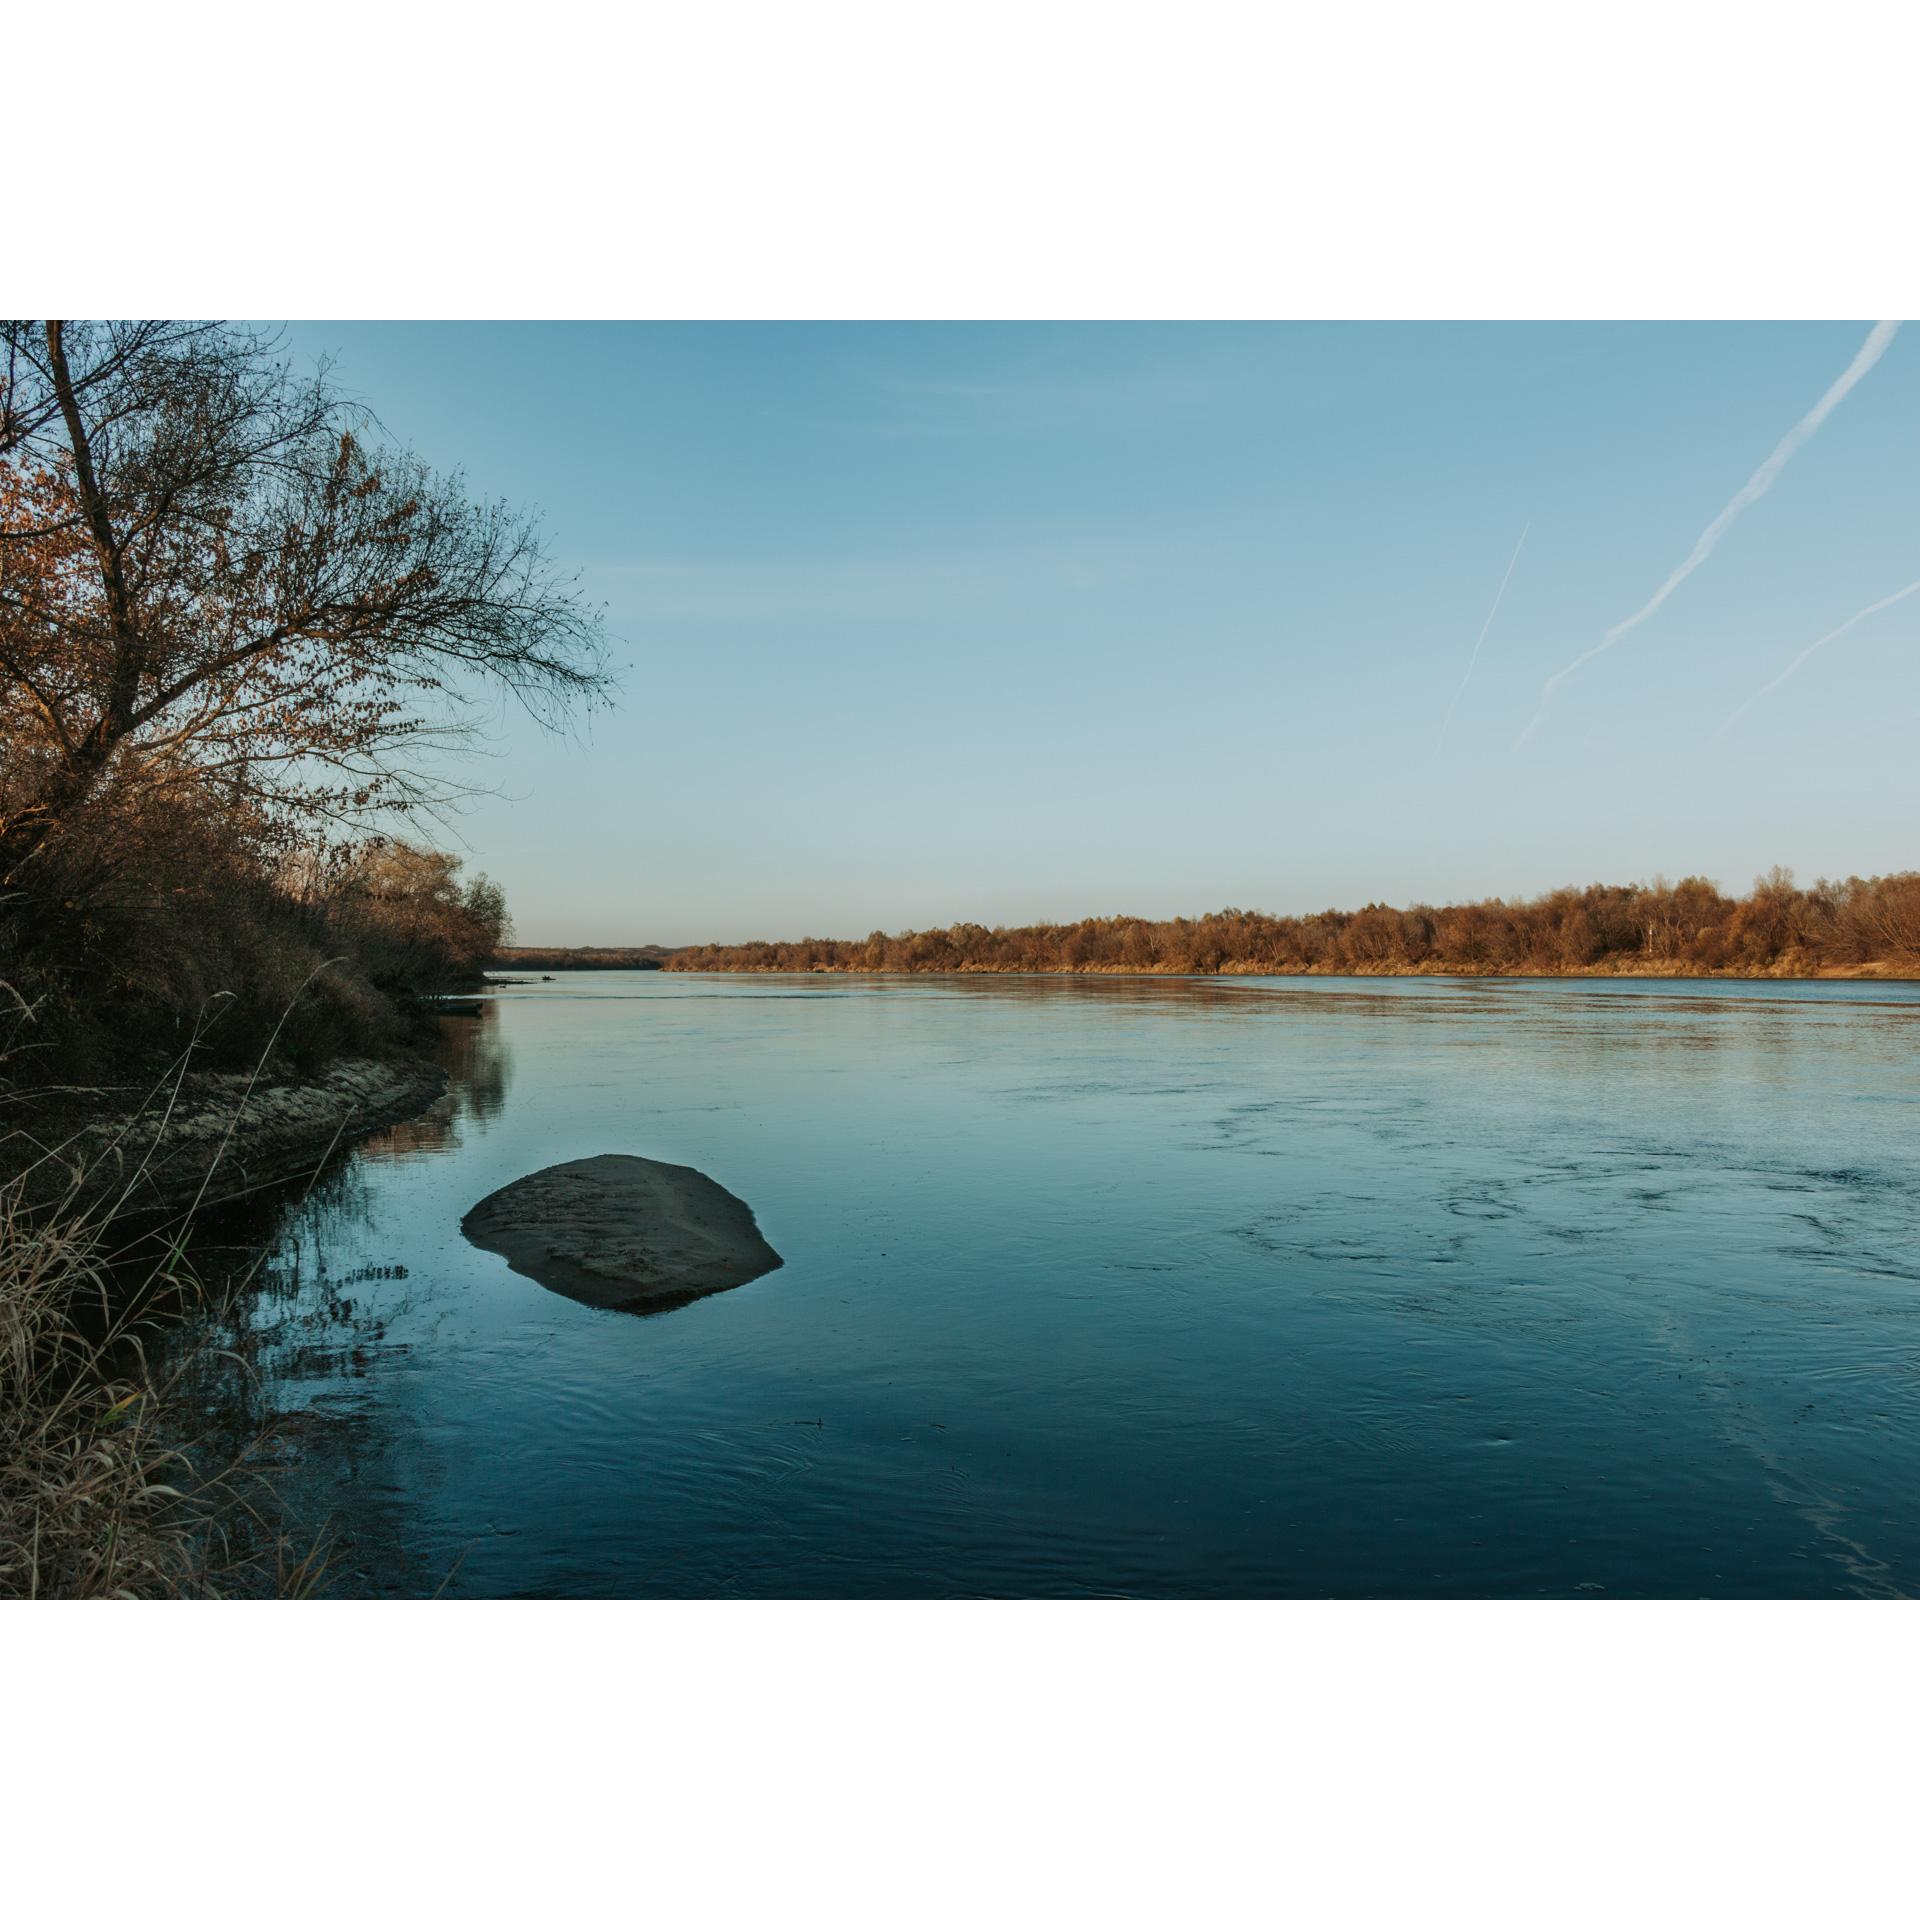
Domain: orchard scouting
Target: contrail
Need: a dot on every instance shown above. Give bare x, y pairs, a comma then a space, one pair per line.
1764, 477
1800, 659
1475, 655
1879, 726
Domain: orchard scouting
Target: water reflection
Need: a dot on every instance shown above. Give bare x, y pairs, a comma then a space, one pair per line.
281, 1361
1141, 1286
479, 1067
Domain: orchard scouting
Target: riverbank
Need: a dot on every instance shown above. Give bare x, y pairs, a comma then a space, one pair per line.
104, 1489
1430, 970
210, 1137
581, 959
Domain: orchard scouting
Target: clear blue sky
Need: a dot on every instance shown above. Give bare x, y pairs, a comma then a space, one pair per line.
925, 623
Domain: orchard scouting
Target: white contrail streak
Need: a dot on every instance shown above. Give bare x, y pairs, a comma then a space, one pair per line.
1879, 726
1475, 655
1764, 477
1800, 659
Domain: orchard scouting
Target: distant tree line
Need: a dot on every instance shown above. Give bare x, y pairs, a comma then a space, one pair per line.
1689, 927
583, 959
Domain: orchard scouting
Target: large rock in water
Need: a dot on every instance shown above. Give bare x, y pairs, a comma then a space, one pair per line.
618, 1231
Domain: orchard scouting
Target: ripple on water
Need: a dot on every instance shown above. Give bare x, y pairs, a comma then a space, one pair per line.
1143, 1287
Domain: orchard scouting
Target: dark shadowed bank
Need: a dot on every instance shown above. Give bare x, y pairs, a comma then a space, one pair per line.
241, 628
204, 1028
185, 1022
1859, 926
112, 1482
582, 959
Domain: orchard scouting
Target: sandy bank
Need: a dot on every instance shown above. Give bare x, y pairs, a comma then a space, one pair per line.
619, 1231
235, 1140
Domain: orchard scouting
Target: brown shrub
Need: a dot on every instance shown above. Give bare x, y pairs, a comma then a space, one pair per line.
1689, 925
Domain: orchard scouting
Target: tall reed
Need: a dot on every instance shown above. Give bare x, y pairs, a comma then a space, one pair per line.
99, 1495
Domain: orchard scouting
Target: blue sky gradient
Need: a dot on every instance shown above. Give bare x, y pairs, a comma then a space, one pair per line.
920, 623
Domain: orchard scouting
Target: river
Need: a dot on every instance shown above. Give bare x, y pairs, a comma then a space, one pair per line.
1141, 1286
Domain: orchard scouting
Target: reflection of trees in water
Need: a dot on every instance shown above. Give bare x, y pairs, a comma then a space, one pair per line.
278, 1354
479, 1066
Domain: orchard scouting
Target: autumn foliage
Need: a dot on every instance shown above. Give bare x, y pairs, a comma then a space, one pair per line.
415, 926
1690, 927
240, 634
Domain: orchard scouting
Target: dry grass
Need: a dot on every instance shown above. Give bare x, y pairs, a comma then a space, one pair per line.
87, 1504
100, 1495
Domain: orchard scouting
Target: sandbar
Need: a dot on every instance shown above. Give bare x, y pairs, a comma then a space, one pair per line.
617, 1231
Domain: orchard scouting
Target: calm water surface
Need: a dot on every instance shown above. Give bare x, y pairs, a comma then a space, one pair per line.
1147, 1286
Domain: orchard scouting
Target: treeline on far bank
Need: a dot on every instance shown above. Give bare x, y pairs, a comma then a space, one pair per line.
582, 959
1689, 927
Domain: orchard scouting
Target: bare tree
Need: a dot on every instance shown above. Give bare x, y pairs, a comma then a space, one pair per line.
215, 571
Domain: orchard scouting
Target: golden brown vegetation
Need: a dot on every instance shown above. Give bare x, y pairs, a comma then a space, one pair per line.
1687, 928
232, 621
236, 625
217, 571
407, 913
102, 1493
87, 1503
152, 917
583, 959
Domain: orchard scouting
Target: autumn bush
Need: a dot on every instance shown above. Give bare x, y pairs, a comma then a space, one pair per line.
158, 914
241, 629
414, 926
242, 633
1689, 926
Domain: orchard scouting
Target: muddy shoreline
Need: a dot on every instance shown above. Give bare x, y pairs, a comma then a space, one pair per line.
211, 1137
